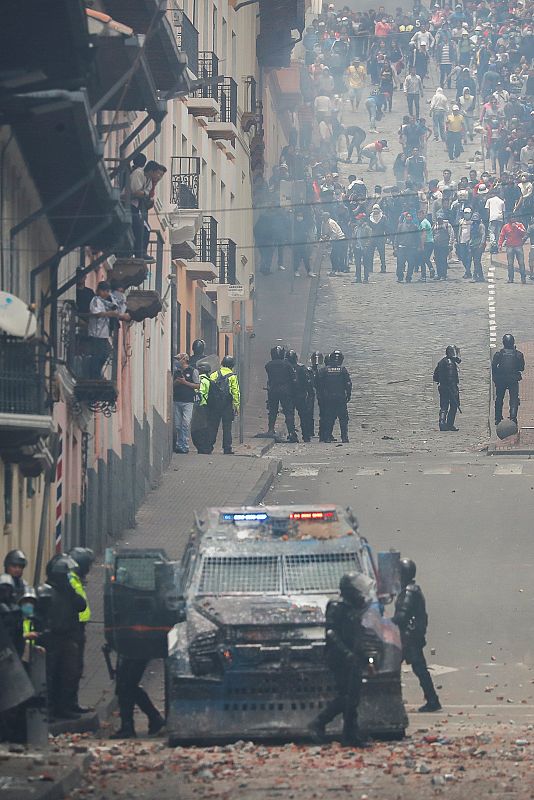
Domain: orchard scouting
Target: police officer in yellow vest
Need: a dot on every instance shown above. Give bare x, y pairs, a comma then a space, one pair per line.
84, 557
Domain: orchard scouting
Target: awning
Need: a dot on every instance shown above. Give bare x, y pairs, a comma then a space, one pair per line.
163, 56
43, 45
59, 143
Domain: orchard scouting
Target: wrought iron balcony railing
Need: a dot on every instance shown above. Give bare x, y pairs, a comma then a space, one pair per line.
185, 178
187, 39
208, 67
23, 378
251, 104
206, 241
228, 100
91, 361
226, 260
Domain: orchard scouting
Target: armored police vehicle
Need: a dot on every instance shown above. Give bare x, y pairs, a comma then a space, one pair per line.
240, 621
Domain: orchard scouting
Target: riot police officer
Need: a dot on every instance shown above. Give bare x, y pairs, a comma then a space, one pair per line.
316, 362
349, 648
281, 380
448, 380
10, 612
63, 606
15, 563
304, 395
198, 347
129, 694
412, 620
334, 388
506, 369
84, 557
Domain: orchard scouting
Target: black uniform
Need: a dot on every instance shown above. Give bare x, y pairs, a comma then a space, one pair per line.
349, 646
506, 369
412, 620
334, 388
281, 392
129, 694
304, 399
61, 641
447, 378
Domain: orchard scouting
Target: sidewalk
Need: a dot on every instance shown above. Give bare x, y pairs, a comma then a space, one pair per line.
523, 442
164, 520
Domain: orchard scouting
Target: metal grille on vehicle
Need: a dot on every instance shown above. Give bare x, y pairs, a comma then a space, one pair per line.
250, 574
318, 572
136, 573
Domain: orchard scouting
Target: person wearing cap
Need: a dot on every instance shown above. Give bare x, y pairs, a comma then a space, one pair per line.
513, 235
465, 49
379, 232
455, 130
463, 239
373, 152
443, 244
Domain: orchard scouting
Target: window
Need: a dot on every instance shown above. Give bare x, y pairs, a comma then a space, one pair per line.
226, 345
136, 573
318, 572
233, 574
187, 332
178, 328
214, 31
159, 262
8, 495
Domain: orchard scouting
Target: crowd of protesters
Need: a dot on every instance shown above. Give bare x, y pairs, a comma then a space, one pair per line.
481, 56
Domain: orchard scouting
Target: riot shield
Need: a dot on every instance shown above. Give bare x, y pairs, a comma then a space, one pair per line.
15, 686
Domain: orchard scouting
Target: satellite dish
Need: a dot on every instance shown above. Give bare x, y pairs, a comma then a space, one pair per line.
16, 318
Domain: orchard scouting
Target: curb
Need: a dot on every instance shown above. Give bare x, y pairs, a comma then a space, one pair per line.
263, 484
57, 789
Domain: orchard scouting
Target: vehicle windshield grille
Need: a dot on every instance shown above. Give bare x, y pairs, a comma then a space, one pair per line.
318, 573
250, 574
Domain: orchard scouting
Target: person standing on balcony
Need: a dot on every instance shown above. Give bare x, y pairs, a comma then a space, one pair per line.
137, 193
186, 382
101, 311
153, 173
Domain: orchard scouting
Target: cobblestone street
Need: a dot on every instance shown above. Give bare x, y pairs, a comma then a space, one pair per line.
393, 335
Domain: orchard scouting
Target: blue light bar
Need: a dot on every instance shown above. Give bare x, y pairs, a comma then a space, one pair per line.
244, 517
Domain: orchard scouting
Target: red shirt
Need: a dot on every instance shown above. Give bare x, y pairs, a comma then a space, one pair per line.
512, 234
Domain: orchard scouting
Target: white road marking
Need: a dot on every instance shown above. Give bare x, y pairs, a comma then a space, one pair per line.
363, 471
438, 471
304, 472
508, 469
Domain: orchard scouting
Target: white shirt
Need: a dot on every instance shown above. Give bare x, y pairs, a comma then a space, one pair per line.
333, 230
423, 37
496, 209
324, 131
98, 326
137, 184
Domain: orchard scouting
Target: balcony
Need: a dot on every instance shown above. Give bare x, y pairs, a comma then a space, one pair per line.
225, 126
87, 368
163, 55
143, 304
185, 179
208, 67
206, 241
226, 261
25, 418
187, 39
128, 272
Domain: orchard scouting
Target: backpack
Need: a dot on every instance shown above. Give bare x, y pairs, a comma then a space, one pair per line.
508, 365
219, 395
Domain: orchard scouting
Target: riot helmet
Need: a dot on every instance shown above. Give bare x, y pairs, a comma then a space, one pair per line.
198, 347
28, 594
59, 567
316, 359
508, 341
335, 358
84, 557
407, 571
354, 588
7, 588
278, 352
15, 558
228, 361
203, 368
292, 356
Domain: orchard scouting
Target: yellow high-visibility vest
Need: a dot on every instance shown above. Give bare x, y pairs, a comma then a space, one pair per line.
77, 585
